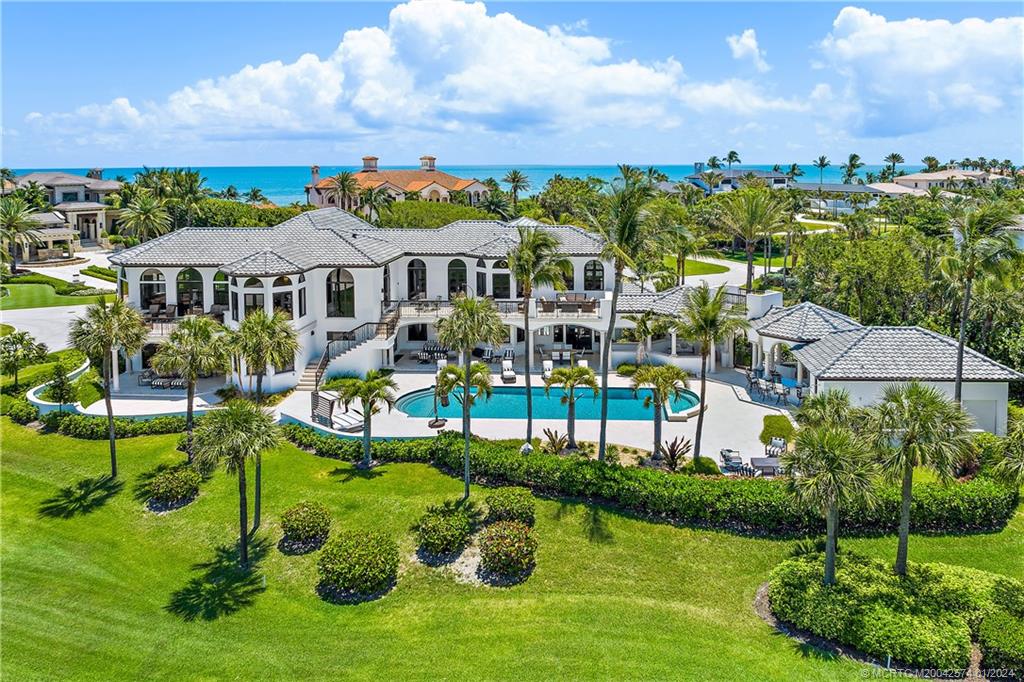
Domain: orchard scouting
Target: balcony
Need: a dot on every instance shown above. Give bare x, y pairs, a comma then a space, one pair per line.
566, 307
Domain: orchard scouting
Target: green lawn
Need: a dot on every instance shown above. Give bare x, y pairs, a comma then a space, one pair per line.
696, 267
6, 329
33, 375
741, 257
41, 296
96, 587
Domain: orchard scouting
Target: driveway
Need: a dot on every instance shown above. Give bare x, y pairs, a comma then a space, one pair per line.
736, 276
49, 325
68, 272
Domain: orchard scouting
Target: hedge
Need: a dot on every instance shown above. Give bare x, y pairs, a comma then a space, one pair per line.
95, 428
510, 504
99, 272
306, 522
60, 286
175, 485
20, 411
747, 504
507, 549
444, 529
358, 563
1001, 639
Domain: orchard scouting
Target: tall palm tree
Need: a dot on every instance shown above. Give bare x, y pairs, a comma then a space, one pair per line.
7, 176
821, 163
473, 321
711, 179
239, 432
254, 196
375, 200
687, 193
931, 164
535, 262
622, 224
706, 319
714, 163
984, 248
18, 228
451, 383
828, 408
495, 202
750, 213
892, 160
731, 158
194, 349
145, 217
343, 189
795, 171
915, 425
666, 383
517, 182
187, 192
102, 330
571, 380
850, 168
373, 391
831, 467
682, 241
230, 193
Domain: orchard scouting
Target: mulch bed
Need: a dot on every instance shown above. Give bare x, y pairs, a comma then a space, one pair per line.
295, 547
164, 507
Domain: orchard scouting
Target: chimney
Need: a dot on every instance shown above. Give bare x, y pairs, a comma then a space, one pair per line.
95, 173
427, 163
315, 172
698, 167
369, 164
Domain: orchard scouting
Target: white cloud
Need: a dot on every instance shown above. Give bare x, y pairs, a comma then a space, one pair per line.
911, 75
744, 46
439, 66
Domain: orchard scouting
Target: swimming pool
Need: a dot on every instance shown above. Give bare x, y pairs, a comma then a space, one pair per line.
509, 402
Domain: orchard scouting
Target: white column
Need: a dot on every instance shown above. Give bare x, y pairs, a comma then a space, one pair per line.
114, 367
799, 372
673, 335
268, 296
600, 350
711, 359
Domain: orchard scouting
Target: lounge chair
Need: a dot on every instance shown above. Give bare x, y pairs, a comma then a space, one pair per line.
423, 357
776, 446
508, 375
161, 382
153, 313
508, 354
547, 366
146, 377
731, 460
179, 382
487, 355
347, 421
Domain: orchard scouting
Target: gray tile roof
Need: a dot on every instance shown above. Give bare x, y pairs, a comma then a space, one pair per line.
60, 179
739, 173
48, 218
633, 300
80, 206
802, 322
263, 263
896, 354
836, 187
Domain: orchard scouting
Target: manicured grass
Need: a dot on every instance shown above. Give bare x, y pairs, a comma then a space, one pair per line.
33, 375
697, 267
6, 329
41, 296
741, 257
95, 586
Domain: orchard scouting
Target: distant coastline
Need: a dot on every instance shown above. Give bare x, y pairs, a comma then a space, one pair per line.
286, 184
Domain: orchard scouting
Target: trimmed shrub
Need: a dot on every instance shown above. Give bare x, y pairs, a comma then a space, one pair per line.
507, 549
626, 369
99, 272
443, 529
777, 426
20, 411
358, 563
95, 428
306, 522
705, 466
1001, 638
511, 504
175, 485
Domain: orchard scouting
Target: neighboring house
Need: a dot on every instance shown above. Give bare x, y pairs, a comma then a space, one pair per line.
732, 179
827, 350
428, 182
78, 198
838, 198
949, 179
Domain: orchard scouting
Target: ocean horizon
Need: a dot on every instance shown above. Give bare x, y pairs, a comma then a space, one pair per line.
286, 184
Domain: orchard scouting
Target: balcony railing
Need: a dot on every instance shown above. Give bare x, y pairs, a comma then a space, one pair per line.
582, 308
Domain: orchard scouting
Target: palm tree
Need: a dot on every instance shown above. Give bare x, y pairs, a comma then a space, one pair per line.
828, 408
821, 163
7, 176
254, 196
931, 164
830, 468
495, 202
682, 241
535, 262
892, 160
195, 348
145, 217
187, 192
711, 179
915, 425
373, 391
706, 320
33, 194
853, 163
731, 158
343, 189
239, 432
107, 328
473, 321
230, 193
687, 193
375, 200
984, 248
1010, 468
748, 214
714, 163
666, 383
795, 171
18, 228
517, 182
571, 379
621, 224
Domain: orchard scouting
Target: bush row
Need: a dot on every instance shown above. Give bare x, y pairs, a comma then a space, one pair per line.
95, 428
19, 410
99, 272
754, 504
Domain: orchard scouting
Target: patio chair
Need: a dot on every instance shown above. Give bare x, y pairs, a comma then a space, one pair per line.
508, 354
589, 306
547, 366
547, 306
781, 393
763, 387
179, 382
146, 377
423, 357
776, 446
508, 375
161, 382
170, 312
799, 393
731, 460
487, 355
153, 313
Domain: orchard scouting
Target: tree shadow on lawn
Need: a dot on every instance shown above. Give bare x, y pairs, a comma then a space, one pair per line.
352, 473
82, 498
593, 522
223, 587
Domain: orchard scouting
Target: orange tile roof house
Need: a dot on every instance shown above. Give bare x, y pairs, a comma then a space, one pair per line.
429, 182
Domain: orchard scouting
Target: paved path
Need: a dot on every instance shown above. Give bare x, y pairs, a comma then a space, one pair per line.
68, 272
49, 325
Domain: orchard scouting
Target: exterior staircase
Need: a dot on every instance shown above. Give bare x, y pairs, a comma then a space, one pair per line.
307, 382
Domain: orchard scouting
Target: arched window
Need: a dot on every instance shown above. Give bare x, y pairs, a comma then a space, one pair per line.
456, 277
417, 279
253, 283
190, 291
593, 276
220, 289
283, 281
152, 289
501, 265
341, 294
481, 278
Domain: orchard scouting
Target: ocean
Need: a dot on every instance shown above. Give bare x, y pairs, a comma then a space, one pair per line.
285, 184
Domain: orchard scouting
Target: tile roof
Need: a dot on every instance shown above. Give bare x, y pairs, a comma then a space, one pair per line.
896, 354
893, 188
836, 187
633, 300
409, 180
48, 218
80, 206
738, 173
59, 179
262, 263
802, 322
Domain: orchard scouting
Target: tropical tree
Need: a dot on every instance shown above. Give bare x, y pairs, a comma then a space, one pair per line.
535, 262
1010, 468
104, 329
254, 196
18, 227
451, 383
915, 425
687, 193
931, 164
828, 408
343, 189
794, 171
893, 159
496, 202
194, 349
821, 163
7, 176
61, 389
230, 193
373, 391
517, 182
981, 247
473, 321
571, 380
750, 213
20, 349
646, 325
239, 432
830, 468
145, 217
731, 158
33, 194
706, 319
711, 179
714, 163
375, 200
665, 383
680, 239
850, 168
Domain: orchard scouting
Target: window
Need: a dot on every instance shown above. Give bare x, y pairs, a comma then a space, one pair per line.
283, 302
501, 285
152, 289
417, 279
190, 291
253, 302
234, 306
593, 276
456, 277
283, 281
501, 265
302, 302
417, 332
253, 283
481, 284
69, 196
341, 294
220, 289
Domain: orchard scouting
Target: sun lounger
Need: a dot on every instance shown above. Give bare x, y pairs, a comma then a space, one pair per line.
146, 377
179, 382
508, 375
547, 367
349, 420
731, 460
161, 382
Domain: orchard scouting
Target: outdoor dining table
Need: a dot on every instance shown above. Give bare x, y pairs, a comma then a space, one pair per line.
769, 466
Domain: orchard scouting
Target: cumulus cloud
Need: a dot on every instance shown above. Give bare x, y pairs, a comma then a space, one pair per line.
439, 66
911, 75
744, 46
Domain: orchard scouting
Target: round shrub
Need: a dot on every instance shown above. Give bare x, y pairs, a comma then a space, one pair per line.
626, 369
443, 530
175, 486
306, 522
358, 563
20, 411
507, 549
1001, 638
511, 504
705, 466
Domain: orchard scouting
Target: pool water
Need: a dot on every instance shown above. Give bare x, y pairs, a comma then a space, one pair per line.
509, 402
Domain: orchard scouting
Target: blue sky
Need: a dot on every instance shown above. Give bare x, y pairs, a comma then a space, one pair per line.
124, 84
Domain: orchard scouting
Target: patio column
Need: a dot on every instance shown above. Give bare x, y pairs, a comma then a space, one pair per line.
673, 335
766, 356
114, 367
600, 351
711, 359
799, 372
